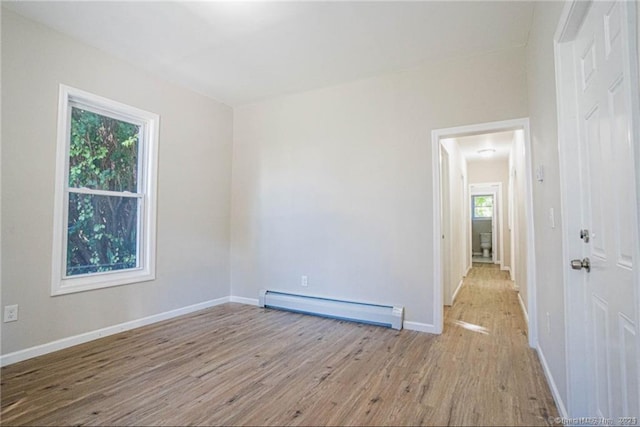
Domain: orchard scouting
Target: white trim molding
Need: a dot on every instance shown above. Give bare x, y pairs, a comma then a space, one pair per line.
557, 397
524, 309
243, 300
420, 327
455, 293
50, 347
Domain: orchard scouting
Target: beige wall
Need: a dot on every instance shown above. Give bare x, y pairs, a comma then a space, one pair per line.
336, 183
492, 171
193, 187
548, 240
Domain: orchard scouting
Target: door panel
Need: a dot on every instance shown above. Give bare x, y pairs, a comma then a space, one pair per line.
612, 26
621, 156
601, 354
607, 186
628, 363
594, 181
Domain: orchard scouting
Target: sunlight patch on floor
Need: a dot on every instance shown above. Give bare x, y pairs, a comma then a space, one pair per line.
471, 327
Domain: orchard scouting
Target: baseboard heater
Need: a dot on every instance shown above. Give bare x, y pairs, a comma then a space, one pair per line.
381, 315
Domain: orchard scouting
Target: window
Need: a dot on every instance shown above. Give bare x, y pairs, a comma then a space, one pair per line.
482, 207
104, 230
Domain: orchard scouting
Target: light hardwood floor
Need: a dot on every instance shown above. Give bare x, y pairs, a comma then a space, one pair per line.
241, 365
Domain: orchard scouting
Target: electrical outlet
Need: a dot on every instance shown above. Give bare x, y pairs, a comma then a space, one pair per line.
304, 281
10, 313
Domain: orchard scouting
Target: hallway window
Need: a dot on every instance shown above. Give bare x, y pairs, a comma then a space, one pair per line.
482, 207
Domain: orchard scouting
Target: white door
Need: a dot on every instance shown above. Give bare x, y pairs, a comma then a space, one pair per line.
603, 182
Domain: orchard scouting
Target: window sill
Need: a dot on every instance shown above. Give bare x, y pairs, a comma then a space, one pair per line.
107, 280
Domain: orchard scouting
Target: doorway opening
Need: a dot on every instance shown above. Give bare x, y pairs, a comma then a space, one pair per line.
483, 219
483, 201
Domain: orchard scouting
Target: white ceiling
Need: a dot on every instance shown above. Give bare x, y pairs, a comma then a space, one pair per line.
238, 52
499, 141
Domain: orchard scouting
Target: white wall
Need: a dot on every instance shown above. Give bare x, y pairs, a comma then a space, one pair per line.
495, 170
548, 242
193, 187
336, 183
457, 213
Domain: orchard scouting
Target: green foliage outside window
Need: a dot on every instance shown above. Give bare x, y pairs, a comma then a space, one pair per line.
102, 228
482, 206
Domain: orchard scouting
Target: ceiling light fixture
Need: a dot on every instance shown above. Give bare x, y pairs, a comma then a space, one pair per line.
486, 152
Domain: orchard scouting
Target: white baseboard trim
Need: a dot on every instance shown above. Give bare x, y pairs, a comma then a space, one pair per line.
524, 310
39, 350
455, 293
552, 384
468, 270
420, 327
506, 268
243, 300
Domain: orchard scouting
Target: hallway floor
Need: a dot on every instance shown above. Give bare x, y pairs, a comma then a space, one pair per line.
242, 365
486, 330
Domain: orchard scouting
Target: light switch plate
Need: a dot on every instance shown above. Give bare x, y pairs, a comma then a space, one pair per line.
11, 313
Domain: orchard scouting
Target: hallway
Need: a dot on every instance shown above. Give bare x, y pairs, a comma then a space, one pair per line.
240, 365
499, 377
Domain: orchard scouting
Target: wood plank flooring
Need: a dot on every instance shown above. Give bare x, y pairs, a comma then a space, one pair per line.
241, 365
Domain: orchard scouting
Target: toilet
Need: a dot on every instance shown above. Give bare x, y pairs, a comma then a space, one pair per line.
485, 244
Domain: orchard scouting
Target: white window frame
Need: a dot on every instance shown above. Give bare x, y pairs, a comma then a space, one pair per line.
147, 174
473, 208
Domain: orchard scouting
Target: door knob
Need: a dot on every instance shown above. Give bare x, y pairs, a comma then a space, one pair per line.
578, 264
